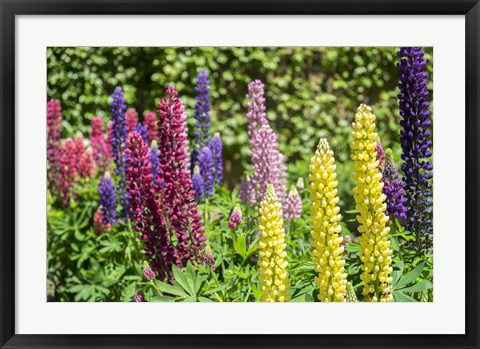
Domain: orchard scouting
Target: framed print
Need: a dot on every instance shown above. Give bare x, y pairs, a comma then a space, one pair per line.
225, 174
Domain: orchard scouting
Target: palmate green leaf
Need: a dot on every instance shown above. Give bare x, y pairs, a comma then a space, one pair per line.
218, 289
418, 287
181, 280
191, 278
397, 272
400, 297
411, 276
241, 246
166, 288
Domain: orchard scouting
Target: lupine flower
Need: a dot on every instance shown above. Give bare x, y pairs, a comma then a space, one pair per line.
150, 124
197, 184
131, 118
178, 196
101, 148
256, 116
145, 208
246, 192
265, 161
415, 139
235, 218
148, 273
351, 295
202, 115
143, 132
205, 163
370, 203
293, 204
393, 189
68, 170
54, 124
98, 226
138, 297
118, 140
327, 241
216, 147
75, 162
272, 249
108, 202
380, 154
264, 147
154, 159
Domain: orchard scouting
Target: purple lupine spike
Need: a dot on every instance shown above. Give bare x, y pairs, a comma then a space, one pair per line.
415, 139
201, 131
54, 144
205, 163
216, 147
143, 132
118, 140
393, 189
293, 204
178, 196
154, 159
235, 219
108, 202
197, 183
146, 210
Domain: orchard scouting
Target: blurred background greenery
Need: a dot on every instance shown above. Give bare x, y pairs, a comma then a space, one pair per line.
310, 92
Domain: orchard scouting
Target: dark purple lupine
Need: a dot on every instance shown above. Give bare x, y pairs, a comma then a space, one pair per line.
118, 140
415, 139
178, 196
393, 189
216, 147
108, 202
202, 115
197, 184
146, 210
205, 163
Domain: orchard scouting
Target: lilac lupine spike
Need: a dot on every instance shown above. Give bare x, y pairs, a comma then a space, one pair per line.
256, 116
118, 140
108, 201
415, 139
216, 147
293, 204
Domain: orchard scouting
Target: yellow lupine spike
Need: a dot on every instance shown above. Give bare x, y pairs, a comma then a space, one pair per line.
327, 242
374, 244
272, 250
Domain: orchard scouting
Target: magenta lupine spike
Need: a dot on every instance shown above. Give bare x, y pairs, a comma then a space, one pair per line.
145, 209
68, 172
150, 123
102, 153
256, 116
148, 273
292, 209
84, 164
265, 159
131, 117
54, 125
178, 196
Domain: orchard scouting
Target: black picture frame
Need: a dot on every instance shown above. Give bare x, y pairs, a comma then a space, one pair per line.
10, 8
